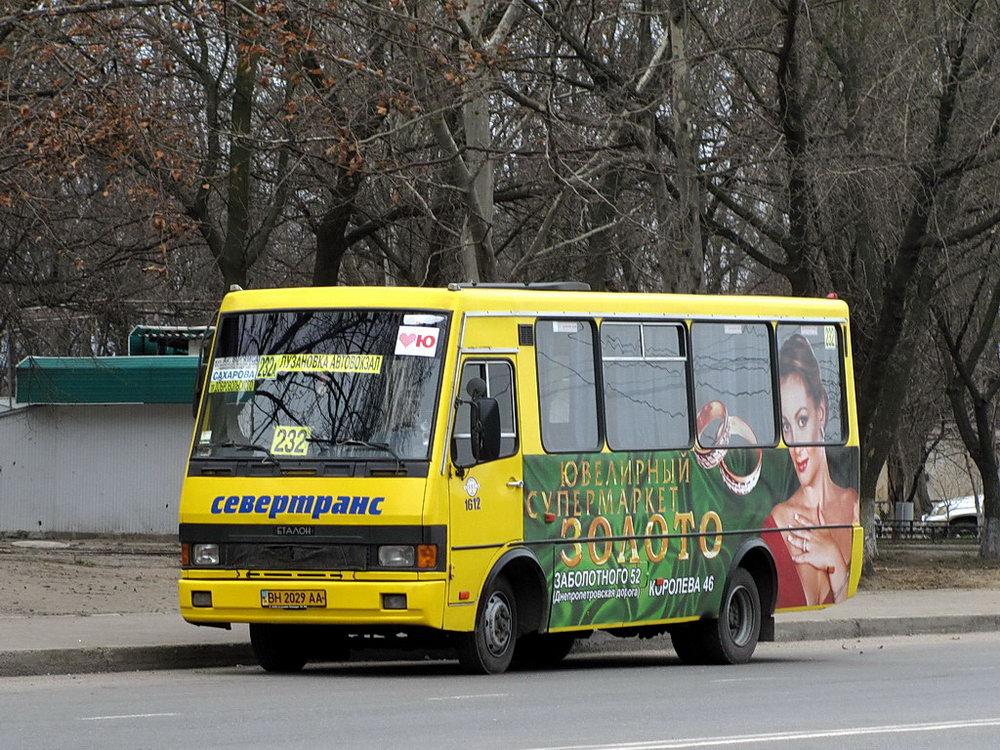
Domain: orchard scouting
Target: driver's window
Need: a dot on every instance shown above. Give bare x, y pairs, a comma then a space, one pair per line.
499, 378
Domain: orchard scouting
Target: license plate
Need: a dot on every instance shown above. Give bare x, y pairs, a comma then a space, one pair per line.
292, 599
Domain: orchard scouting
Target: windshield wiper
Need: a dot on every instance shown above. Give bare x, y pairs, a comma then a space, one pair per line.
368, 444
268, 456
362, 444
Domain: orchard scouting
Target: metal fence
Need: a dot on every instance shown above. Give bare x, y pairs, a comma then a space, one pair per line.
934, 531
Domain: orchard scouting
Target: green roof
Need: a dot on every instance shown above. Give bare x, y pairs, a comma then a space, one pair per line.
167, 339
106, 380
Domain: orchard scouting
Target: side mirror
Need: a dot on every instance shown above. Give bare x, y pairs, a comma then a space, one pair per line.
485, 429
476, 388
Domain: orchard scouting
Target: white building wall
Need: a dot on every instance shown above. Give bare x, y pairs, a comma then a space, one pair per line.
108, 468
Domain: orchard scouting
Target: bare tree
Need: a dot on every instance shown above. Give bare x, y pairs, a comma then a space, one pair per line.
969, 337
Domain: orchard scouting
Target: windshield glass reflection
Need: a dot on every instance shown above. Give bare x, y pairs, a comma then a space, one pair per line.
323, 384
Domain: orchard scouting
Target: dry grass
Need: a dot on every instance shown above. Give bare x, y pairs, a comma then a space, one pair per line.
910, 565
103, 575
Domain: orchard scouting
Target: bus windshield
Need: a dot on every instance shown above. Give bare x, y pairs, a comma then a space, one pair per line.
323, 384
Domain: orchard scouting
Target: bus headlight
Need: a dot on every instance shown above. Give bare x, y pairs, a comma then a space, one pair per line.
396, 556
205, 554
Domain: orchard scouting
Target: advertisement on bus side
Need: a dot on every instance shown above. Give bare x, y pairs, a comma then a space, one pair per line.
649, 536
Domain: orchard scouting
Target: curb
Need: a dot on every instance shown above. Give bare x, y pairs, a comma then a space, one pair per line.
62, 661
141, 658
881, 627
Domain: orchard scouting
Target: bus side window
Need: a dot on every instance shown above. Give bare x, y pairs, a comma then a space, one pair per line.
810, 353
645, 385
733, 384
499, 378
567, 385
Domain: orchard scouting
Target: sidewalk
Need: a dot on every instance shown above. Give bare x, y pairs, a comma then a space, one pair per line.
65, 644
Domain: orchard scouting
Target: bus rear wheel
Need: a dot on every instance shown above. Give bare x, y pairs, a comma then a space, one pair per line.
732, 637
688, 642
489, 648
279, 648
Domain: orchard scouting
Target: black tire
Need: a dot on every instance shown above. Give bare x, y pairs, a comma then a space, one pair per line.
732, 638
963, 528
279, 648
543, 649
688, 641
489, 648
327, 643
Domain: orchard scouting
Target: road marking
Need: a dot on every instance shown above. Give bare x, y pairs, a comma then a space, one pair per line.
468, 697
124, 716
750, 739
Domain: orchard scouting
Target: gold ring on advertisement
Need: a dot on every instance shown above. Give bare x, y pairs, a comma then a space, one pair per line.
710, 458
740, 484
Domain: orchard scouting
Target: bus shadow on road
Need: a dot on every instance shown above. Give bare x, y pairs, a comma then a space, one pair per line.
445, 665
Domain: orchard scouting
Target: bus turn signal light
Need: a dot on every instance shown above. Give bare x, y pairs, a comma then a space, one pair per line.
427, 555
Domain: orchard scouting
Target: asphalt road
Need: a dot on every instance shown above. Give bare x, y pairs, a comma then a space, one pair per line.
913, 693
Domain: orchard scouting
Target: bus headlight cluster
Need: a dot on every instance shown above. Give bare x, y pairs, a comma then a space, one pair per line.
205, 554
397, 556
407, 556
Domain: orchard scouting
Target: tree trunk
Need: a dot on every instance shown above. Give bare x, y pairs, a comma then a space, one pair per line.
798, 249
331, 240
477, 245
233, 261
989, 539
684, 274
602, 211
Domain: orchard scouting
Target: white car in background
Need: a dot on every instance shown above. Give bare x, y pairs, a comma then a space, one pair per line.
961, 514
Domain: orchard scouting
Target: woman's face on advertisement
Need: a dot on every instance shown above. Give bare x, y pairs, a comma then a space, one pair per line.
802, 421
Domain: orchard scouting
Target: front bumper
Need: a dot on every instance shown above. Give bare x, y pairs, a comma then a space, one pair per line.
348, 602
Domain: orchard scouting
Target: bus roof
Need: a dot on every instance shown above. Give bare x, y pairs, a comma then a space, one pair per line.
526, 301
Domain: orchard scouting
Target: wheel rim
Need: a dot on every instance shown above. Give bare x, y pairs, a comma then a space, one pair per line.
497, 622
740, 616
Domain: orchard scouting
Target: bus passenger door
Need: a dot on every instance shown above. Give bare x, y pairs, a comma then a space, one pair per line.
484, 498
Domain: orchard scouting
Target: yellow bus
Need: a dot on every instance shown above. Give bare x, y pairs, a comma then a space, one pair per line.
506, 469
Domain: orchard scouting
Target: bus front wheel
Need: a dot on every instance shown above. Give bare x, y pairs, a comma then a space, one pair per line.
278, 648
490, 647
